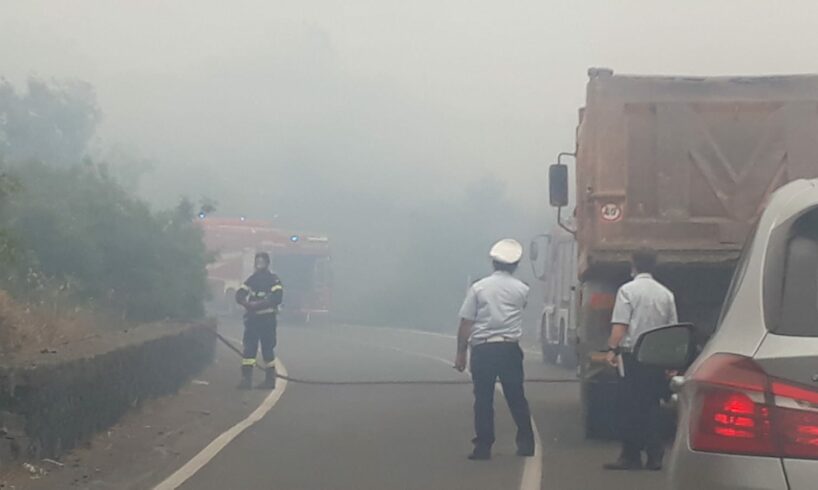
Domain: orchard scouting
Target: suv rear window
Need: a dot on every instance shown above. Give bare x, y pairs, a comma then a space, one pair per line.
798, 311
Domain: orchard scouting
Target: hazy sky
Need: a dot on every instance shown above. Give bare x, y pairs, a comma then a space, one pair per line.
432, 93
398, 104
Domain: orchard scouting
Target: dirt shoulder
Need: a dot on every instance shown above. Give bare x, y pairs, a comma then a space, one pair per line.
151, 441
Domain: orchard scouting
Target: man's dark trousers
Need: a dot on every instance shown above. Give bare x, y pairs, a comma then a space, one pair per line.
502, 360
642, 389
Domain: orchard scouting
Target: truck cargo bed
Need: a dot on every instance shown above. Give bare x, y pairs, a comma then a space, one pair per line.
684, 165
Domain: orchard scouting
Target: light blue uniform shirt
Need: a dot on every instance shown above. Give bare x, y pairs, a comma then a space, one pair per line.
495, 305
643, 304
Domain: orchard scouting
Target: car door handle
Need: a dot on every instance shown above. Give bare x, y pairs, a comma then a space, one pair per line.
677, 383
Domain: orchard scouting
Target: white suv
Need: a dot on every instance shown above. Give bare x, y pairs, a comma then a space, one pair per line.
748, 405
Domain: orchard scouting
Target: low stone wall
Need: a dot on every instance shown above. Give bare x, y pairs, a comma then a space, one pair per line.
51, 402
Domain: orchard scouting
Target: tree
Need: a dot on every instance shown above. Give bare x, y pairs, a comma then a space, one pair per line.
84, 233
126, 164
8, 185
52, 121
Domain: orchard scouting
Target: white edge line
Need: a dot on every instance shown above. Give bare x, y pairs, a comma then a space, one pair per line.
208, 453
532, 471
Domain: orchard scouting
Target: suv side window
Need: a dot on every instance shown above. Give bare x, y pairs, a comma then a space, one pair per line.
799, 289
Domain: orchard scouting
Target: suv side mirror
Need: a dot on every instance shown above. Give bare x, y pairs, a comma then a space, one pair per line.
670, 347
558, 185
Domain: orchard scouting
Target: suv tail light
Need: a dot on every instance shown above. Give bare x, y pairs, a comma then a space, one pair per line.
739, 409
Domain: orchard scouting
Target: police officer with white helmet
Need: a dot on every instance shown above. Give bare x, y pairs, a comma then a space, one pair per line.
491, 326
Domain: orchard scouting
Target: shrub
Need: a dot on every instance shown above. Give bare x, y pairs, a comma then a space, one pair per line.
76, 230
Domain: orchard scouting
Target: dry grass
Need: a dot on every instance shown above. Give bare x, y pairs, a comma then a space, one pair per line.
25, 328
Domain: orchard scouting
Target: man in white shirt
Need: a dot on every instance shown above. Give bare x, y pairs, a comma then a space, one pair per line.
641, 305
491, 326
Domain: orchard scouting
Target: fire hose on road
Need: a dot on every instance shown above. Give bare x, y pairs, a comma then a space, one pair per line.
304, 381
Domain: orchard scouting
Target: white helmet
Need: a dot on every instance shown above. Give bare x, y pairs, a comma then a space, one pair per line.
506, 251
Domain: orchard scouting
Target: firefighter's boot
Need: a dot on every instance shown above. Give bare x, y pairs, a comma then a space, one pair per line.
269, 379
246, 378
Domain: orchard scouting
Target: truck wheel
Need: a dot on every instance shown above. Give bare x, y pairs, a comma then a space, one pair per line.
600, 409
567, 356
549, 353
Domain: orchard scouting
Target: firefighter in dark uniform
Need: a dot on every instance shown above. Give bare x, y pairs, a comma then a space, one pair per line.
260, 296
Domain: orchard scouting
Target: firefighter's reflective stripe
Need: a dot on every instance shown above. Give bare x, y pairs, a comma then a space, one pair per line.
266, 311
277, 287
248, 362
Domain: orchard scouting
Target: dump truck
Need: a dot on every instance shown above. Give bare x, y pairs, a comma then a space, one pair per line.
683, 165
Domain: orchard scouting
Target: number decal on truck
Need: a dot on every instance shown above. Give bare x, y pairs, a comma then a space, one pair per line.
611, 212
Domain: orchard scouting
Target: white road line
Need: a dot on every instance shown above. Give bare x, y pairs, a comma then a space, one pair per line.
532, 469
208, 453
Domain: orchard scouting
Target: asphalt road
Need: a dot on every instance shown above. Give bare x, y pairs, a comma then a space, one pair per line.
402, 437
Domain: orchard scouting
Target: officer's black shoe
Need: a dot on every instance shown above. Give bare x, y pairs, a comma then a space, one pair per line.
654, 463
269, 382
623, 464
480, 453
525, 451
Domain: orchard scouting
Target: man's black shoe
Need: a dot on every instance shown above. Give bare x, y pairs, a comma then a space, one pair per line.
655, 460
480, 454
624, 465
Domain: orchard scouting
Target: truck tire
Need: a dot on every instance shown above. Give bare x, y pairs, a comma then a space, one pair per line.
599, 391
550, 352
568, 356
600, 409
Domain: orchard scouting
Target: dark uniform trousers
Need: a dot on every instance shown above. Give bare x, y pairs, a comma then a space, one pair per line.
260, 329
642, 389
502, 360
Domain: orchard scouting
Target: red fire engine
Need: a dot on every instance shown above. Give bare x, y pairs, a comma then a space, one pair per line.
301, 260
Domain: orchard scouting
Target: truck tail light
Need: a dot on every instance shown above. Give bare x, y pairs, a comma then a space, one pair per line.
742, 410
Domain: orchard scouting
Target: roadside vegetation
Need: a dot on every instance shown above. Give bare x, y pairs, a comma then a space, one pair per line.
74, 243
